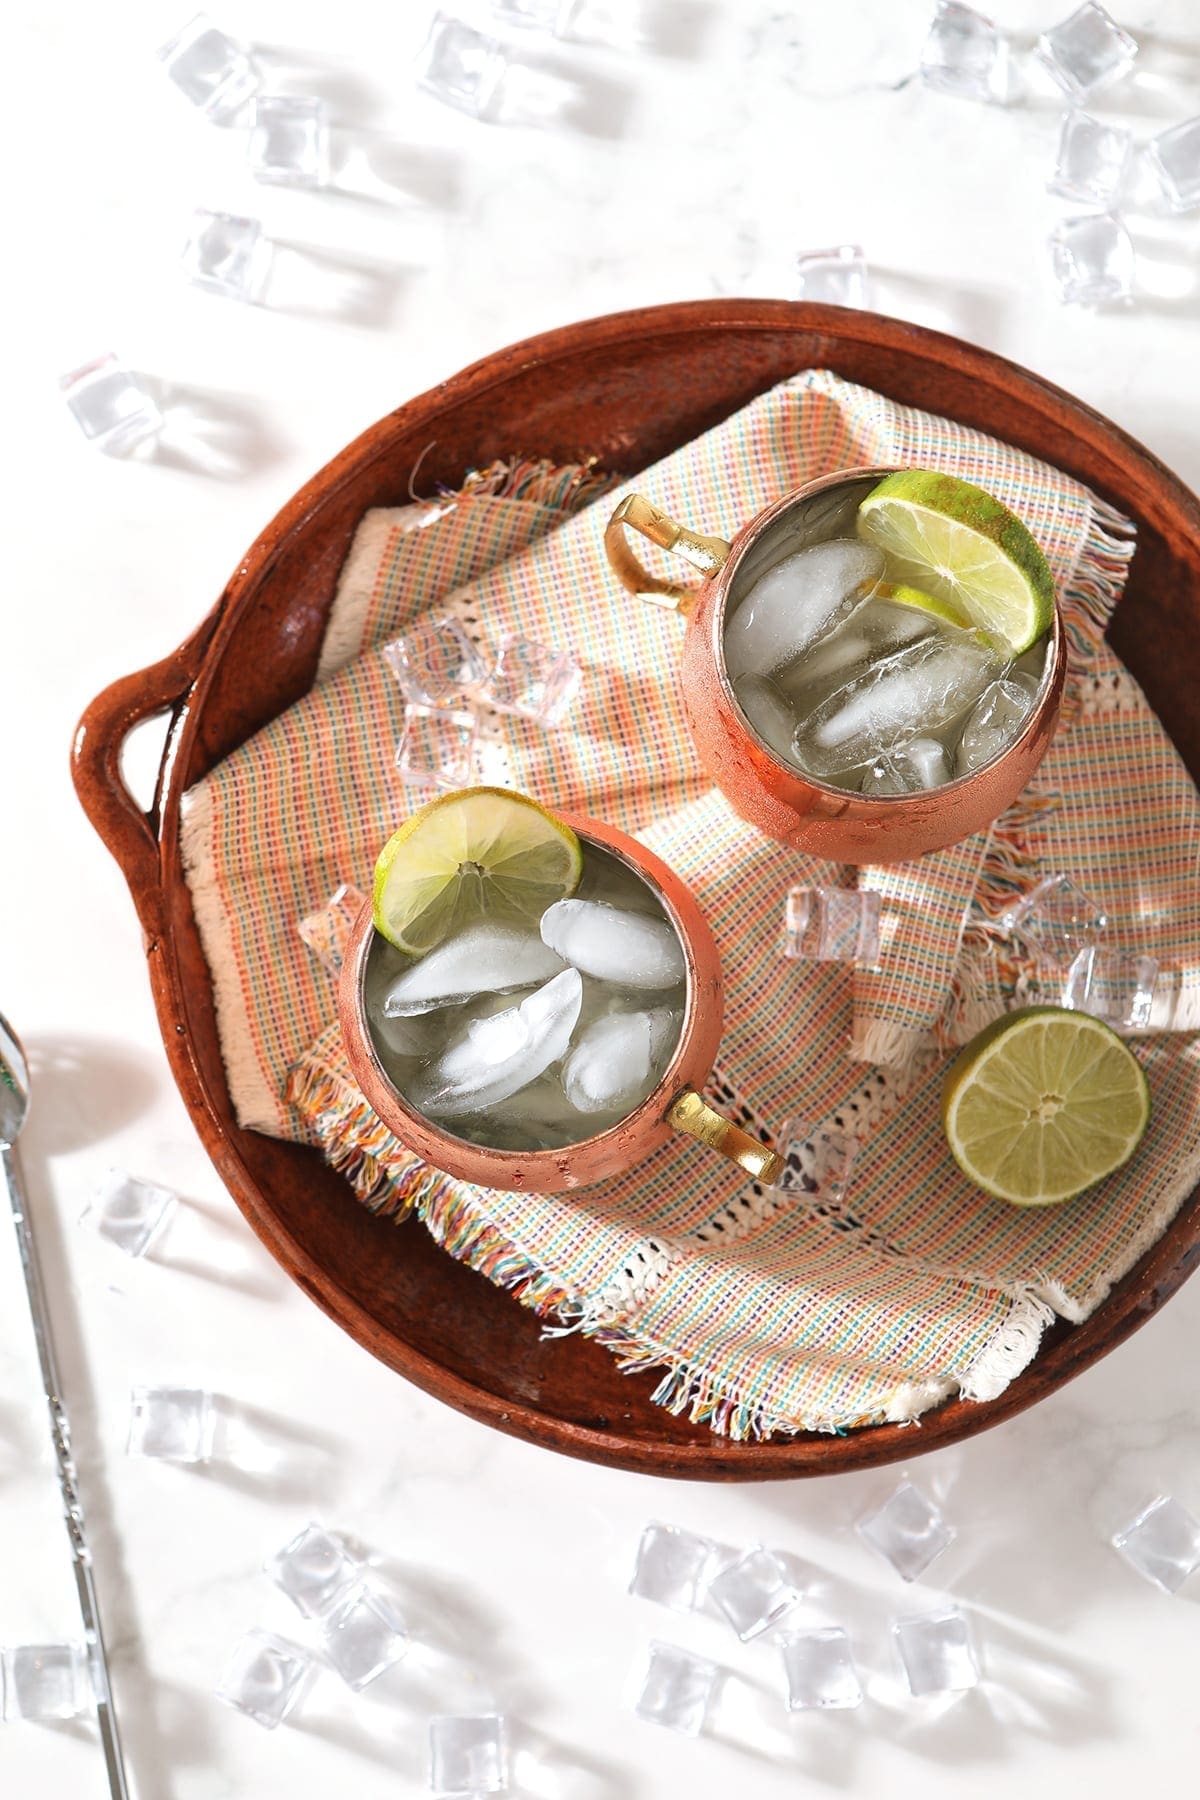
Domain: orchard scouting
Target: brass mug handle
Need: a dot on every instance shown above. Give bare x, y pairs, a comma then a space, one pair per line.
691, 1114
640, 514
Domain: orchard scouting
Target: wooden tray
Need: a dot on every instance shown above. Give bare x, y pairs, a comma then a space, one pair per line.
628, 388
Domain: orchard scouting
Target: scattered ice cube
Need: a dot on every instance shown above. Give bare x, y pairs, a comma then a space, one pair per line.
171, 1424
468, 1753
816, 1159
924, 685
483, 959
615, 1062
675, 1688
44, 1681
210, 69
327, 931
994, 721
436, 747
836, 277
1056, 918
313, 1568
909, 769
1093, 160
672, 1567
227, 254
768, 712
832, 925
820, 1670
363, 1635
965, 55
613, 945
754, 1592
435, 663
533, 681
289, 141
797, 603
460, 66
265, 1677
494, 1058
110, 406
1086, 51
128, 1212
1093, 260
1112, 986
937, 1652
1174, 156
1162, 1543
908, 1530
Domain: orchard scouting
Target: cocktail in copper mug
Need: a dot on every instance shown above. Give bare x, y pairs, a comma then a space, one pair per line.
674, 1105
785, 802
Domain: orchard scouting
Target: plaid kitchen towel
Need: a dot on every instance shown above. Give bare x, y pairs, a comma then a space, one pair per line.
762, 1311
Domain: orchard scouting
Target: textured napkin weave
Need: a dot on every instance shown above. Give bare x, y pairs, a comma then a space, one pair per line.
763, 1312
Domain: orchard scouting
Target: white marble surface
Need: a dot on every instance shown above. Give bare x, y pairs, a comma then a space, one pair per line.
760, 129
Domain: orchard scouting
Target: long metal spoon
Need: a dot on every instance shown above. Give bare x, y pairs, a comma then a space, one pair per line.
14, 1107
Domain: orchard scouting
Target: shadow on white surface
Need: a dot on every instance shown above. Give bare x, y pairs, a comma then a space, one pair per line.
382, 170
287, 69
209, 1245
544, 1768
83, 1090
206, 432
310, 281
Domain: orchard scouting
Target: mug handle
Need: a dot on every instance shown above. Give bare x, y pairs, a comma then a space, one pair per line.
689, 1113
640, 514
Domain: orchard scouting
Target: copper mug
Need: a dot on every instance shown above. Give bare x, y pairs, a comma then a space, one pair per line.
799, 809
673, 1106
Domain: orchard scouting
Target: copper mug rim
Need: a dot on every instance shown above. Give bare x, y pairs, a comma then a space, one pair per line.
748, 534
673, 1104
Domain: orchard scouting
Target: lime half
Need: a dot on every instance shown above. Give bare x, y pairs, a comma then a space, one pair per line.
918, 601
1042, 1104
480, 852
950, 540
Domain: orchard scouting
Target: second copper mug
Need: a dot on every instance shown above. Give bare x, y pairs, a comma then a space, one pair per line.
785, 802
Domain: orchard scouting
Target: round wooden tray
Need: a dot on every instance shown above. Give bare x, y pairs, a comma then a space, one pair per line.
627, 388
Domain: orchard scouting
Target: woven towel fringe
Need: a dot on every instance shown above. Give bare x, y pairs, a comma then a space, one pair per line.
884, 1042
1011, 1349
1094, 586
395, 1184
567, 487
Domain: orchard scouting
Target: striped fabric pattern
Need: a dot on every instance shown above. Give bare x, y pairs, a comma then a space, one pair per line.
759, 1314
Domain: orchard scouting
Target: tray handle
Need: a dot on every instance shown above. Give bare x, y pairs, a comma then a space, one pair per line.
130, 834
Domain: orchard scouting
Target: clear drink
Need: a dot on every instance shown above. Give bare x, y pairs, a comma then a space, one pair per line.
520, 1040
853, 686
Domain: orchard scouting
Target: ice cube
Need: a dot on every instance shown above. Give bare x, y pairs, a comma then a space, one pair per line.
1093, 160
768, 712
313, 1568
265, 1677
1086, 51
995, 721
1112, 986
483, 959
468, 1754
908, 1530
613, 945
965, 55
1093, 260
675, 1688
797, 603
1174, 156
836, 277
363, 1635
910, 768
937, 1652
820, 1670
1162, 1543
924, 685
494, 1058
754, 1592
44, 1681
616, 1060
672, 1567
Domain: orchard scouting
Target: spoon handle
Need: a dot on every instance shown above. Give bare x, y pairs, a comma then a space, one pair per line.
60, 1432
